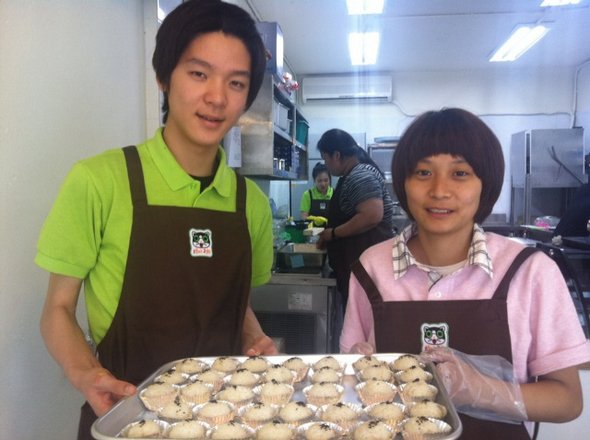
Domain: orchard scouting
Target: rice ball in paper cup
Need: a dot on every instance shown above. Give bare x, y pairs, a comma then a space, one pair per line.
215, 412
345, 415
320, 431
299, 366
145, 428
324, 393
187, 429
372, 430
157, 395
375, 391
421, 428
255, 364
417, 390
231, 431
275, 393
325, 374
258, 413
390, 413
330, 361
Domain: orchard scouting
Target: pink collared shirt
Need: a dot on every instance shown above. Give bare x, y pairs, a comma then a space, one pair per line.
544, 326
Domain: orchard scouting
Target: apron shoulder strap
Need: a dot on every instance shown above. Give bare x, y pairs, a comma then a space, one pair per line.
310, 194
240, 193
135, 173
365, 280
502, 290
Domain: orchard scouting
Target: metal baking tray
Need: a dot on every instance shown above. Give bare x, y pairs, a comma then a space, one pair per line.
131, 409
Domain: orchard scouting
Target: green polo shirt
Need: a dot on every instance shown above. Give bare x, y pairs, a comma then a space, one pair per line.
87, 232
306, 200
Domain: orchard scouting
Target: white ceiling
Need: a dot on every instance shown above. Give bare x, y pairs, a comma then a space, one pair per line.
426, 34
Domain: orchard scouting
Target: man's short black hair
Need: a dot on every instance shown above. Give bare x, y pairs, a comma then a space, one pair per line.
197, 17
456, 132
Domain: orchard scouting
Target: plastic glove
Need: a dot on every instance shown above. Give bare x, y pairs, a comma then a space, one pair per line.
479, 386
316, 220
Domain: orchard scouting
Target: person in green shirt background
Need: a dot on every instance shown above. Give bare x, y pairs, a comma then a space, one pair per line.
316, 201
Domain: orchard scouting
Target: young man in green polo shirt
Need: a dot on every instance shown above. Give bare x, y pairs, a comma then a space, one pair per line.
166, 238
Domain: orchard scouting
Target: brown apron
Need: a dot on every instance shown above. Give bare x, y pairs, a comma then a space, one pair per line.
345, 251
185, 290
319, 207
478, 327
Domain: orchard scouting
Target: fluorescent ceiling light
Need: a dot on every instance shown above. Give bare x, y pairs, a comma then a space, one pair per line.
522, 39
559, 2
360, 7
363, 48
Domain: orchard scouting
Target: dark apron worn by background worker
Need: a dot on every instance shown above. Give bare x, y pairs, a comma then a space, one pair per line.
478, 327
319, 207
185, 289
346, 250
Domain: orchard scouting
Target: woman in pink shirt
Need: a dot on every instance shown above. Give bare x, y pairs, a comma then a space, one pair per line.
445, 288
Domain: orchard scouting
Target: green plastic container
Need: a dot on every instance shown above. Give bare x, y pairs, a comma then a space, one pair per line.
296, 231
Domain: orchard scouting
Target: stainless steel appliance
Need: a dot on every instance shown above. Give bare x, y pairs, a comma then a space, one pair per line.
300, 310
547, 166
382, 153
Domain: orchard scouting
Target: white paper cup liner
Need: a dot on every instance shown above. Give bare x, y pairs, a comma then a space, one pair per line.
162, 424
369, 398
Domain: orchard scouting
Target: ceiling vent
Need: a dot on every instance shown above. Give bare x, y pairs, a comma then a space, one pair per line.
371, 88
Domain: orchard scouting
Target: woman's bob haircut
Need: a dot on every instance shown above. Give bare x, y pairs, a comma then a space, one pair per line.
456, 132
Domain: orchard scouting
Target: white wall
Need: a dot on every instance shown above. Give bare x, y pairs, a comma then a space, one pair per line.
71, 85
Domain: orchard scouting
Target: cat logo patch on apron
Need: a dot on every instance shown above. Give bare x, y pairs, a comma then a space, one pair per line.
434, 335
201, 242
